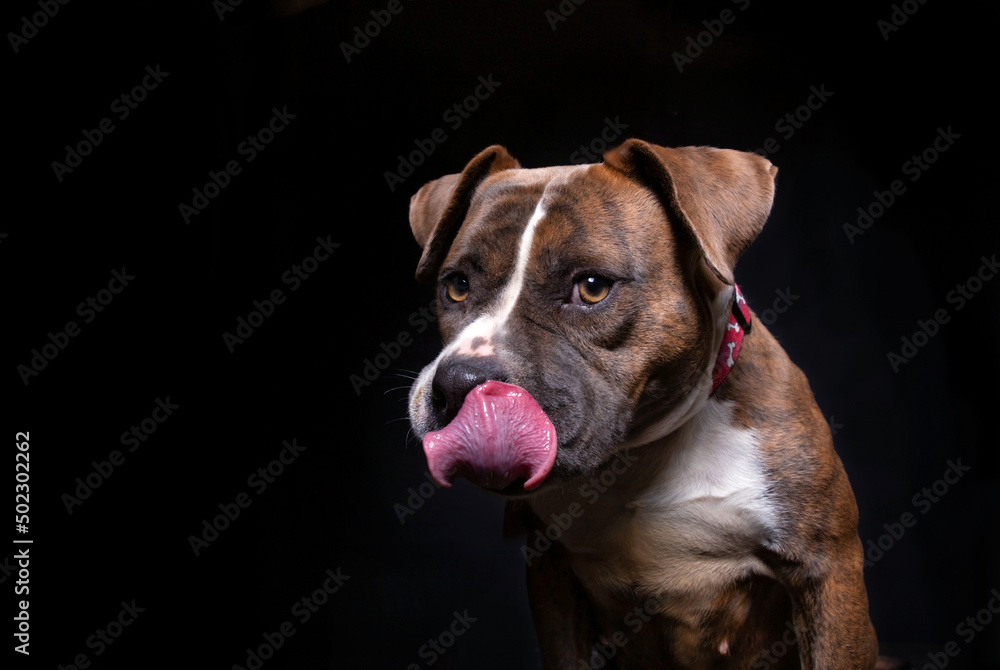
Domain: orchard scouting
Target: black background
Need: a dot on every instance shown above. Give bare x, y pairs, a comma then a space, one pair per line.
323, 175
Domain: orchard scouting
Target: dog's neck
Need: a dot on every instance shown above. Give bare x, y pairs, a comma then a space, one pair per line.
730, 322
732, 338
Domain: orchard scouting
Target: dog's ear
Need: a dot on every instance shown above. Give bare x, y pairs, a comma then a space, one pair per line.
438, 208
721, 197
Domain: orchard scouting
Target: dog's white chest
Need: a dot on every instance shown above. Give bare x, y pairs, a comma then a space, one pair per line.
683, 518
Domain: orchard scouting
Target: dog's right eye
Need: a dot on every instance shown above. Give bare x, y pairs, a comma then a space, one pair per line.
457, 287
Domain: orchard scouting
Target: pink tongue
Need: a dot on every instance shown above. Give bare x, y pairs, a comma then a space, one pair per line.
499, 435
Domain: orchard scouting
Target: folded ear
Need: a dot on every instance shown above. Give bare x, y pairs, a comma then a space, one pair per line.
721, 197
438, 208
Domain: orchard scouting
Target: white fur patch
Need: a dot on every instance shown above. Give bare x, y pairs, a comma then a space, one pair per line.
687, 530
486, 326
513, 289
710, 459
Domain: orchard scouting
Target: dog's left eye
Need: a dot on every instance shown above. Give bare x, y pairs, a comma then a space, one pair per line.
592, 289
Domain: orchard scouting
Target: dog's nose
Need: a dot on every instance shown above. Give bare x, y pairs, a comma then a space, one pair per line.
453, 381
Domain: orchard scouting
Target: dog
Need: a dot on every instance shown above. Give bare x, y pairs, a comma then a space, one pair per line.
682, 500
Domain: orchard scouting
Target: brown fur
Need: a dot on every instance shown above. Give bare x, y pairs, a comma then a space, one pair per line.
668, 225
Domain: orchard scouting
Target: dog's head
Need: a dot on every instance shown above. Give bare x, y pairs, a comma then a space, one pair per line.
581, 306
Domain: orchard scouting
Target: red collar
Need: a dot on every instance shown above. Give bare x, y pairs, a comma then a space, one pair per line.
732, 341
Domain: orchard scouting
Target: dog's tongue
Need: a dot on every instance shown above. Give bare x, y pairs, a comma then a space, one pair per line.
499, 435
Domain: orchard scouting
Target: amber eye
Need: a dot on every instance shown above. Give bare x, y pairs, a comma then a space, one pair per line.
457, 287
593, 289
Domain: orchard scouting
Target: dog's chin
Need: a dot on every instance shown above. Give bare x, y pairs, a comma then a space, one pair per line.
516, 490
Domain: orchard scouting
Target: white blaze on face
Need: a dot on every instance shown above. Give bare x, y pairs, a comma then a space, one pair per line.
477, 338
